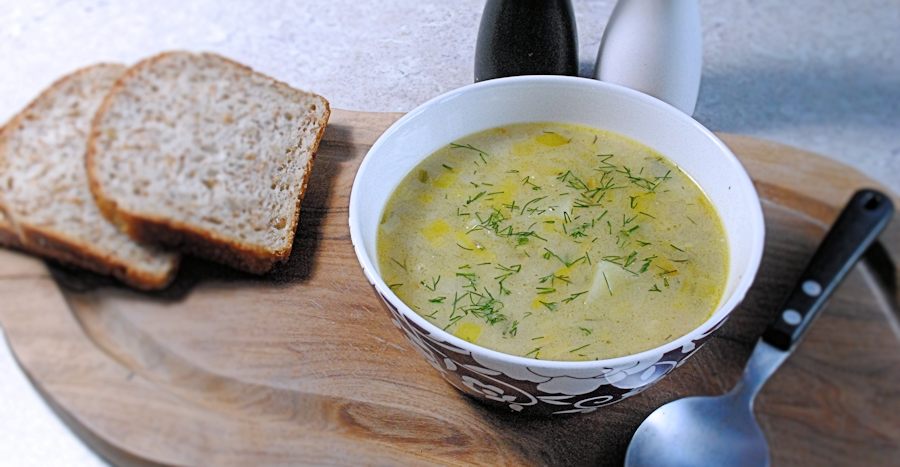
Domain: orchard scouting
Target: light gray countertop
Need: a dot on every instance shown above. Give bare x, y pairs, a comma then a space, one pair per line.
823, 76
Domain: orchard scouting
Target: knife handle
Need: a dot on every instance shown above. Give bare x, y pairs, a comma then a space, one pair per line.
865, 216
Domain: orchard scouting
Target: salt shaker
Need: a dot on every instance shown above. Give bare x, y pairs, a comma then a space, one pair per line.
526, 37
654, 46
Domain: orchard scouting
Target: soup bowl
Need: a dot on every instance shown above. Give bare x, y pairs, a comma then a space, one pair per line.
543, 387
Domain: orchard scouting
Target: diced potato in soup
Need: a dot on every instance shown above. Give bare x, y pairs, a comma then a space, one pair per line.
554, 241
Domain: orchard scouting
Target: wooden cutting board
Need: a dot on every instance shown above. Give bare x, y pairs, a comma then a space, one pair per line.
304, 366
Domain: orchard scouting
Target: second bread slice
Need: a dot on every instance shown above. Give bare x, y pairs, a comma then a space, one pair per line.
203, 154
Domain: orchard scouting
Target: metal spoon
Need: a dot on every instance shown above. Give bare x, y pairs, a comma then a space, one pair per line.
722, 430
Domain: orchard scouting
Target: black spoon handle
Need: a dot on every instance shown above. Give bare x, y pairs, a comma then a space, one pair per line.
865, 216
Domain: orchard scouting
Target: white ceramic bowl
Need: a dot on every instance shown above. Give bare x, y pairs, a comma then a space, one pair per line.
542, 386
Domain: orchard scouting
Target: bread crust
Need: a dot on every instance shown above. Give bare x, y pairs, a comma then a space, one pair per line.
8, 236
83, 256
183, 237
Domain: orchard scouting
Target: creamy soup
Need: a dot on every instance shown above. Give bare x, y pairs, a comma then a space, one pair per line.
554, 241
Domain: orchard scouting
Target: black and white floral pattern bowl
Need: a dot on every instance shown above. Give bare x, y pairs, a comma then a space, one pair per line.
543, 387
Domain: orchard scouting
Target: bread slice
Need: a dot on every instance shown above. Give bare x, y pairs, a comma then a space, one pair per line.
203, 154
44, 189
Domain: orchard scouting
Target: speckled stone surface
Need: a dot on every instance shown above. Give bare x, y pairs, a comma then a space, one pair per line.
823, 76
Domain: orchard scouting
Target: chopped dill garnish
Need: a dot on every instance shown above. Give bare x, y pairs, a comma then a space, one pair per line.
549, 305
527, 181
464, 248
394, 286
586, 258
453, 321
655, 289
586, 331
666, 272
553, 278
646, 264
437, 299
604, 161
572, 297
434, 283
545, 290
398, 263
607, 284
481, 154
675, 247
549, 254
472, 199
630, 259
530, 202
508, 270
578, 348
535, 351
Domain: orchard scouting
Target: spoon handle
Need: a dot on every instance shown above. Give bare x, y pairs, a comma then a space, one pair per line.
865, 216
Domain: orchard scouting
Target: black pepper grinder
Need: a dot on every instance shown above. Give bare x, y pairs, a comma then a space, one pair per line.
526, 37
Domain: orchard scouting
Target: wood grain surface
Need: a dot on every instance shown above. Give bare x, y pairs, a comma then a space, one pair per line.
304, 366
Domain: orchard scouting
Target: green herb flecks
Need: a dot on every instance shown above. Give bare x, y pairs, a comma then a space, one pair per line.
573, 296
483, 156
432, 286
576, 349
549, 305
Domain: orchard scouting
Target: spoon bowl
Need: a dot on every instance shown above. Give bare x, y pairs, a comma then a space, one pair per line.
722, 430
696, 430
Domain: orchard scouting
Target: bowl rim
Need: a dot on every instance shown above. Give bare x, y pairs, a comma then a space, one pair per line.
718, 316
